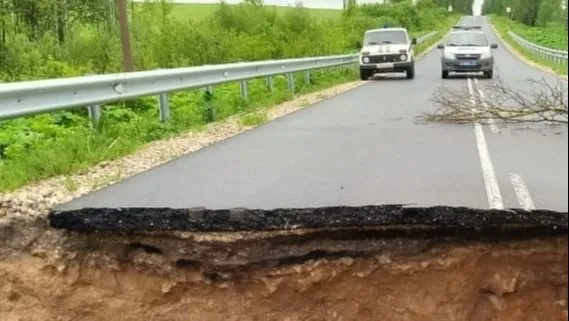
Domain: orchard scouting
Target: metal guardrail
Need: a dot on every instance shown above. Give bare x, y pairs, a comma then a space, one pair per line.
554, 55
426, 37
43, 96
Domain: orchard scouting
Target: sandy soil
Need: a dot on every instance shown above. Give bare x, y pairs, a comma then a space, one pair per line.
59, 276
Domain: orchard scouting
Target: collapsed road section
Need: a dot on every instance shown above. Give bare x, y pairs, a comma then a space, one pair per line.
336, 263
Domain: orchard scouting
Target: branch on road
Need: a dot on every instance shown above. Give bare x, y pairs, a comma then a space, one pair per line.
546, 102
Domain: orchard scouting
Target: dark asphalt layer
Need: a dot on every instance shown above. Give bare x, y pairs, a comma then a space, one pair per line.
363, 147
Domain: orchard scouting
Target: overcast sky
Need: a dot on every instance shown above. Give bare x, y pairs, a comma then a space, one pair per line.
477, 7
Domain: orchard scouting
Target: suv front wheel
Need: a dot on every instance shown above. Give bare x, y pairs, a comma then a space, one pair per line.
365, 74
411, 71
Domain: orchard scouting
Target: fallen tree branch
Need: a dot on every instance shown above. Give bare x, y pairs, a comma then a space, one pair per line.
546, 102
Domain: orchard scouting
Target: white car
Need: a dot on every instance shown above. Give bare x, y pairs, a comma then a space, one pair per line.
387, 50
467, 51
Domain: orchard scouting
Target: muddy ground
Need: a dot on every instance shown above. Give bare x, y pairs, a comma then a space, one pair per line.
54, 275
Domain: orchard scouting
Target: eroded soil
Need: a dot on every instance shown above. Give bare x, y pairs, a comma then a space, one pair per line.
52, 275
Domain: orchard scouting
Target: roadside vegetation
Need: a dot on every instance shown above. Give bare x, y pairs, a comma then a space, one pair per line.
199, 11
543, 22
39, 39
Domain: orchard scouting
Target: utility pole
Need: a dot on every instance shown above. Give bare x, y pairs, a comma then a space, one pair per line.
125, 36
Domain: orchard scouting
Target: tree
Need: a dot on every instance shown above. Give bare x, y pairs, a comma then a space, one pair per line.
548, 11
125, 36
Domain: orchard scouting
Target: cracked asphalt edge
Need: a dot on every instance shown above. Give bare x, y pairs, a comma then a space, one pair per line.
399, 220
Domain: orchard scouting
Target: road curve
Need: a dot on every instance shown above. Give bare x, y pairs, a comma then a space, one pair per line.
364, 147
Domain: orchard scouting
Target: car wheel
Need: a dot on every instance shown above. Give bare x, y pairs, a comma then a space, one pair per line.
410, 72
444, 74
365, 74
489, 74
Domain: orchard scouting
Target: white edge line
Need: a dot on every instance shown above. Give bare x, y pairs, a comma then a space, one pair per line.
470, 90
490, 180
493, 193
522, 192
491, 122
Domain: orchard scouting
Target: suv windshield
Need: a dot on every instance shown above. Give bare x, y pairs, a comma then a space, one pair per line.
385, 37
469, 39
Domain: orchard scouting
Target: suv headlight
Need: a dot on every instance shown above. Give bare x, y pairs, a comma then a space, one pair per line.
365, 60
486, 55
449, 55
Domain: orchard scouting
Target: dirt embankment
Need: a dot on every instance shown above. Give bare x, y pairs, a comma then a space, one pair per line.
59, 276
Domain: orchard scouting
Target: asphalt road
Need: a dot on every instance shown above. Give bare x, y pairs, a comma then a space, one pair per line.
364, 147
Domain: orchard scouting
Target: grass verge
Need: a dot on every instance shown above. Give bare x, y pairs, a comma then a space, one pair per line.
503, 26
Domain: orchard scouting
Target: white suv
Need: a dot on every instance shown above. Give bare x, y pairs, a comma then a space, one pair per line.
387, 50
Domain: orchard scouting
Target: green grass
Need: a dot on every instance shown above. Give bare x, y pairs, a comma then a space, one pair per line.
553, 36
205, 11
253, 119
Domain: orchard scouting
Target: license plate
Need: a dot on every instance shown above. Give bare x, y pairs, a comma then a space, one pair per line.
468, 63
385, 65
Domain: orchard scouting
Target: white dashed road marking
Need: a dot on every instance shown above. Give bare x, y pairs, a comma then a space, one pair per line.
522, 191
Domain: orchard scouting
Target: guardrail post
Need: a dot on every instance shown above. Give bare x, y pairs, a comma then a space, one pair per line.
270, 84
307, 77
208, 111
95, 116
164, 107
290, 77
244, 91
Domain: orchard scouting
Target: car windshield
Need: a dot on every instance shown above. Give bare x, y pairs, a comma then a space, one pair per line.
385, 37
469, 39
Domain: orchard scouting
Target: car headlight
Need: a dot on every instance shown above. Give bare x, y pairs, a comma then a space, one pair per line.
449, 55
403, 57
365, 60
486, 55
